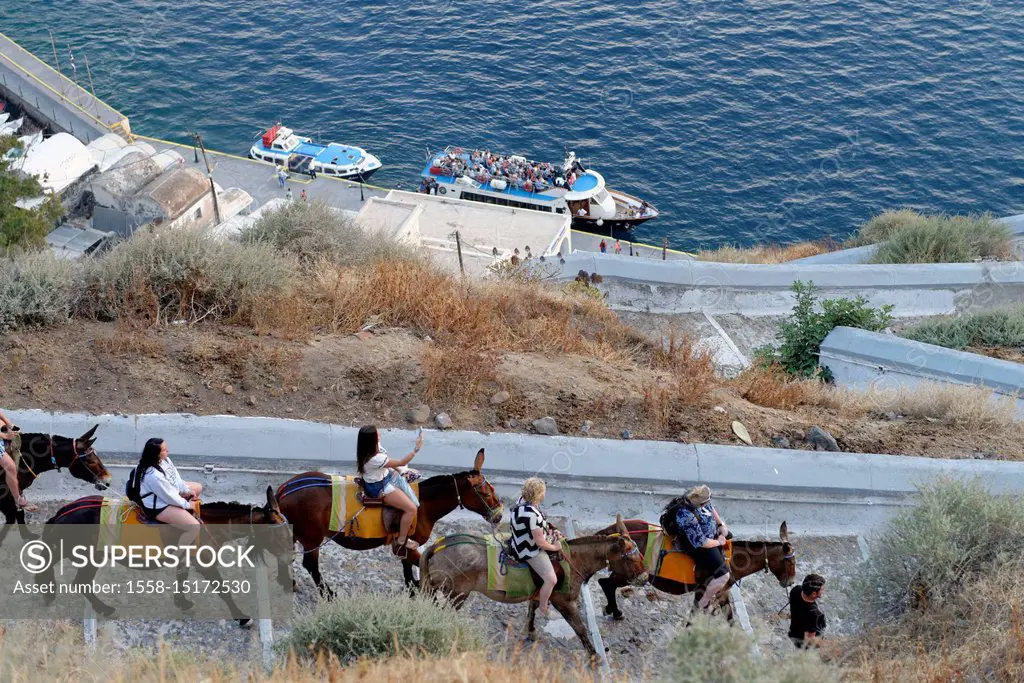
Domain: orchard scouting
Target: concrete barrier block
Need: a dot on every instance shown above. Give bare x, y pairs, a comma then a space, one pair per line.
225, 436
40, 421
115, 434
457, 450
769, 467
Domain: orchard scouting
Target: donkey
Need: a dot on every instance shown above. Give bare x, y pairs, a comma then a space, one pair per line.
88, 510
42, 453
306, 502
748, 557
457, 566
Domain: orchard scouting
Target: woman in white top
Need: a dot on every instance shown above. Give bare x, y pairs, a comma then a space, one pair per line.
376, 468
156, 485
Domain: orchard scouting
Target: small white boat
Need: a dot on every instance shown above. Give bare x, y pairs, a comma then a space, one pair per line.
280, 145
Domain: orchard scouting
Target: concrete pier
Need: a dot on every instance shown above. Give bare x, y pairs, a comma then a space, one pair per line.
53, 99
259, 178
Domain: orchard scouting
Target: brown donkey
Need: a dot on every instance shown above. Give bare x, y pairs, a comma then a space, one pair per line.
457, 566
305, 500
748, 557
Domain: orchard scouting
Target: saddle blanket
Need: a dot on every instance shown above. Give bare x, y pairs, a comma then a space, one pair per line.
665, 562
122, 522
514, 578
351, 517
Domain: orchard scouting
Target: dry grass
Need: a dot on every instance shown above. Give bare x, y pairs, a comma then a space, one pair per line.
962, 406
456, 374
129, 340
771, 253
771, 387
22, 660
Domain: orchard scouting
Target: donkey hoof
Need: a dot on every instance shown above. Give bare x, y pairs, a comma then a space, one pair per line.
617, 616
245, 622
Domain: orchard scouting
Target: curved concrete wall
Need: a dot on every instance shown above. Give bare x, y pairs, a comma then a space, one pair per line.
753, 289
868, 360
236, 458
279, 444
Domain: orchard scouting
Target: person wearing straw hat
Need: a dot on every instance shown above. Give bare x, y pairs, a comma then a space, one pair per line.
701, 534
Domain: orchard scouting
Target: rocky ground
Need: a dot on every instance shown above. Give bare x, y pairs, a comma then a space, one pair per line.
650, 617
378, 377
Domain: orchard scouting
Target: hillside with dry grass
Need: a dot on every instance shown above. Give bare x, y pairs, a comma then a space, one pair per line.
306, 317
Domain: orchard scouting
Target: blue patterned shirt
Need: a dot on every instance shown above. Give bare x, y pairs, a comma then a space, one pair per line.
698, 528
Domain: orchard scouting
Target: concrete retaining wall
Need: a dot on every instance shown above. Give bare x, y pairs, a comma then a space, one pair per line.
868, 360
281, 443
694, 286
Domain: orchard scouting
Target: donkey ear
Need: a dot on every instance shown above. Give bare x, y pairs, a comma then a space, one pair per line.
620, 525
88, 434
478, 464
271, 498
784, 533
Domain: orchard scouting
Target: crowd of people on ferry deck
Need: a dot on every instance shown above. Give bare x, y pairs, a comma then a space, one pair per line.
520, 173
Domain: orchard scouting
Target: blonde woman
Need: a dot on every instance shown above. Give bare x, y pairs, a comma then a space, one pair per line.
533, 538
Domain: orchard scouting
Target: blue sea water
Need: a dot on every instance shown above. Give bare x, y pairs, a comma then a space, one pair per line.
744, 122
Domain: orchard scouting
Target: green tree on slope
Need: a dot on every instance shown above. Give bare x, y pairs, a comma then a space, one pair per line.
20, 228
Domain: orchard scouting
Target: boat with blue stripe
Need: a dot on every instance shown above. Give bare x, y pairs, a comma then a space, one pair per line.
512, 180
280, 145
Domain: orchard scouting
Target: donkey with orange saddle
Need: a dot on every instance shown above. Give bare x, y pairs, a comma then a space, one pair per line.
673, 571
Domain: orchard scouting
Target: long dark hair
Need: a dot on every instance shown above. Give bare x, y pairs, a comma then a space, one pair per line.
150, 457
366, 445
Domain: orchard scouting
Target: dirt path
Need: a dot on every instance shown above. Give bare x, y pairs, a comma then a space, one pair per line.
651, 618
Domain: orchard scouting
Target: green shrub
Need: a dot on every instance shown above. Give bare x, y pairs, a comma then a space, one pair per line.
312, 231
379, 625
37, 289
711, 650
804, 331
957, 532
183, 274
883, 226
1003, 328
910, 237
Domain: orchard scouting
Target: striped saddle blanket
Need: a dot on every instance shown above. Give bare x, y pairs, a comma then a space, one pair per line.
122, 522
515, 579
665, 562
354, 515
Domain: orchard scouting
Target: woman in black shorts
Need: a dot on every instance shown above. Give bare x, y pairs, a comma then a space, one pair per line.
702, 535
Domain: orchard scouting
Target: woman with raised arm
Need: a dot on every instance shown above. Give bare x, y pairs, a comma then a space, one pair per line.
380, 480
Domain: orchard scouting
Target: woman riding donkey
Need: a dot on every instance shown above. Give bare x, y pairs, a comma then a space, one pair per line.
700, 532
156, 487
533, 538
381, 480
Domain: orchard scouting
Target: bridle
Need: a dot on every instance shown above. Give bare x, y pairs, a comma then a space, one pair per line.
53, 456
479, 497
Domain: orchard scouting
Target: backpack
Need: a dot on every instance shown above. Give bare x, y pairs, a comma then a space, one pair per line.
132, 488
669, 521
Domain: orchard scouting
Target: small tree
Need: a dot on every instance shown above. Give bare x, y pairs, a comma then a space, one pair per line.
803, 333
19, 227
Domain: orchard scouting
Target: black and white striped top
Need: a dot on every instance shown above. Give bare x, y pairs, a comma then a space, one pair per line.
523, 519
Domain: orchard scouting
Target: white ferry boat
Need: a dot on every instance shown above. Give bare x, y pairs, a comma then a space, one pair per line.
280, 145
482, 176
